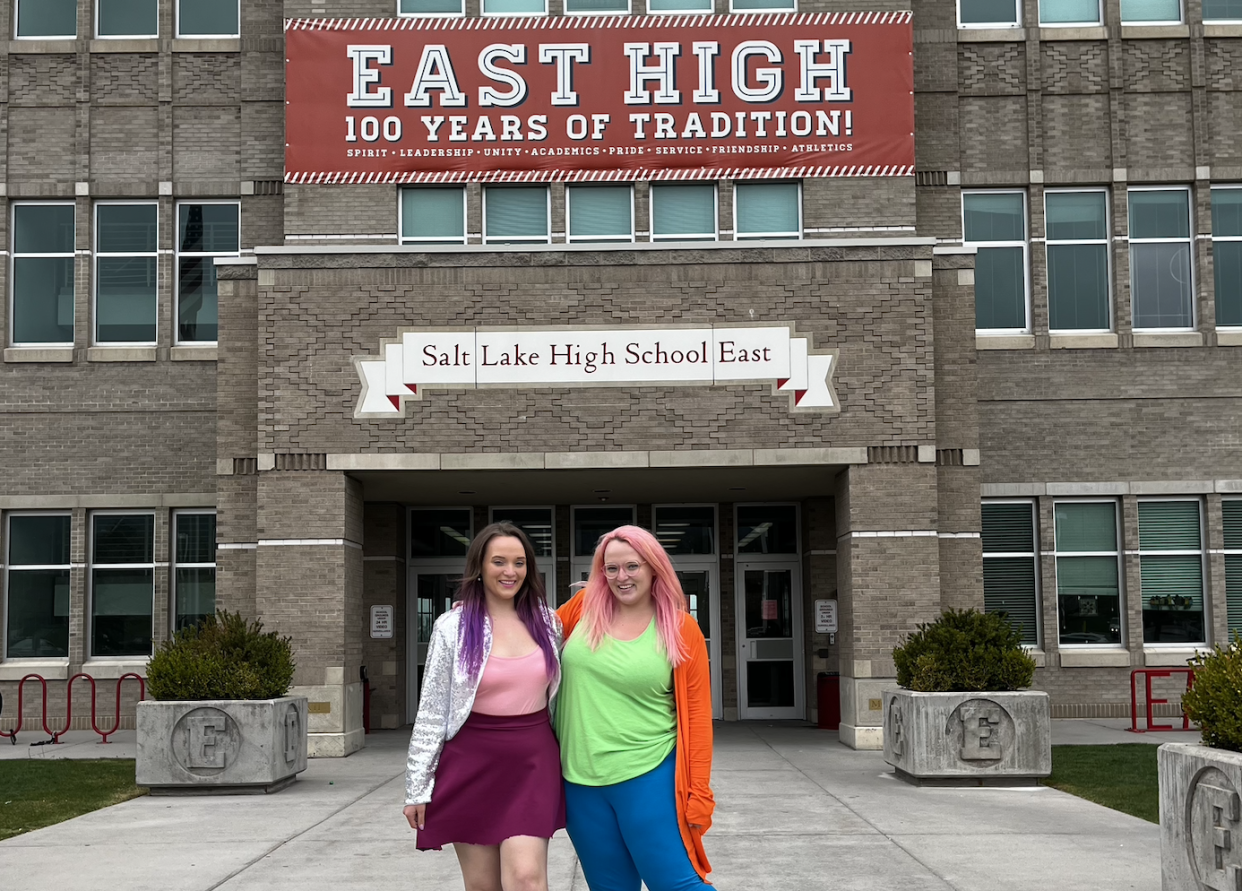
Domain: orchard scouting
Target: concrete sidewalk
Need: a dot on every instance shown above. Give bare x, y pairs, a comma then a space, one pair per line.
795, 810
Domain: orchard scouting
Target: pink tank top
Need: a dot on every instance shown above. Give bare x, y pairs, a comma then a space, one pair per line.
514, 685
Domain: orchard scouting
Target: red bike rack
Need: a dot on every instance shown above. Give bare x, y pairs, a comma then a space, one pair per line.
1148, 674
57, 734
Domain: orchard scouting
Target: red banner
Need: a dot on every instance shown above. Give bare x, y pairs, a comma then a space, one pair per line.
599, 98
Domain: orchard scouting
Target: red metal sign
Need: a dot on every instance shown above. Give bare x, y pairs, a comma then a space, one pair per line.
599, 98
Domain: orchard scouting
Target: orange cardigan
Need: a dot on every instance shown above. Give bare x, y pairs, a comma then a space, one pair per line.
692, 695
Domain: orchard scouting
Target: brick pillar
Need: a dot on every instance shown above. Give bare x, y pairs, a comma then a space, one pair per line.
309, 585
888, 581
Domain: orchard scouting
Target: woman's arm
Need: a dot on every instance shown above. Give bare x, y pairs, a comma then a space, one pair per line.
701, 803
431, 724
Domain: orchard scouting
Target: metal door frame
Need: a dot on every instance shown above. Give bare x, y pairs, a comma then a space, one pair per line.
450, 566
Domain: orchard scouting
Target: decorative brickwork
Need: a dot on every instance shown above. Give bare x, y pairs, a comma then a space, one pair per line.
991, 69
1073, 67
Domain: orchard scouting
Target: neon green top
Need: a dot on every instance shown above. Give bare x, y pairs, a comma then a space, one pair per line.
615, 715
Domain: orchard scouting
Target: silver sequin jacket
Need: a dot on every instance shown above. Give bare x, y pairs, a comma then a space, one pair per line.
446, 700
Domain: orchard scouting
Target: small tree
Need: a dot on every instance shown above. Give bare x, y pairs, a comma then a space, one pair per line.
964, 650
222, 657
1214, 702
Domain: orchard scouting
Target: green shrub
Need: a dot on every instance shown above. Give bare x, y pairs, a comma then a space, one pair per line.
223, 657
964, 650
1214, 702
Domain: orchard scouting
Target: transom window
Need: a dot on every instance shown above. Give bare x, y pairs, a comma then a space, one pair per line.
1088, 572
1222, 10
42, 278
208, 18
1227, 255
988, 13
37, 586
1010, 565
767, 210
47, 18
995, 223
767, 529
683, 212
433, 215
1151, 12
194, 568
1078, 277
439, 532
599, 213
122, 584
1069, 12
127, 18
1161, 289
204, 231
515, 215
126, 272
1171, 570
539, 526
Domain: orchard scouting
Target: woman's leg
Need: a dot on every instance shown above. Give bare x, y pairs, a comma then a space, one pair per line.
646, 811
480, 866
592, 826
524, 863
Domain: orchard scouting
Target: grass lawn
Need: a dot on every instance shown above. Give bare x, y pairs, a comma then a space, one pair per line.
1121, 777
34, 794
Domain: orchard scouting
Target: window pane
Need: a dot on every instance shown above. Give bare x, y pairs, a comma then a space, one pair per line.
684, 5
511, 7
121, 602
599, 212
433, 214
516, 213
741, 5
1231, 510
1216, 10
1076, 216
43, 229
1160, 214
126, 228
1000, 288
596, 5
439, 533
767, 209
47, 18
1008, 528
994, 217
1009, 587
196, 595
128, 18
196, 538
43, 300
1160, 285
197, 300
764, 529
1172, 599
686, 530
213, 17
1150, 11
683, 211
208, 228
536, 522
1078, 287
125, 302
416, 6
39, 541
1169, 526
1227, 267
38, 613
590, 523
1086, 527
1088, 599
1066, 12
123, 539
1233, 593
1227, 211
989, 12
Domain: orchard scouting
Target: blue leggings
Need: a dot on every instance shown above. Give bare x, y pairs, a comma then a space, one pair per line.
627, 833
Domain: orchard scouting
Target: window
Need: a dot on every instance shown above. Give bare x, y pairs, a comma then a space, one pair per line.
1162, 294
194, 568
600, 213
1069, 12
1010, 565
767, 210
1151, 12
47, 18
1088, 572
683, 213
987, 13
439, 532
1231, 511
1222, 10
430, 7
763, 5
1171, 570
686, 530
38, 586
515, 215
1078, 292
587, 7
127, 18
767, 529
1227, 255
43, 237
208, 18
589, 524
537, 523
203, 231
661, 6
995, 223
515, 7
433, 215
122, 584
125, 273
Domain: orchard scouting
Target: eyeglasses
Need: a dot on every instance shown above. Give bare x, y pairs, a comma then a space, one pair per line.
612, 570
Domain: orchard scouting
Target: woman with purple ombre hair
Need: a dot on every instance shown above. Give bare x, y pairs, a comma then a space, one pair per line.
635, 722
483, 771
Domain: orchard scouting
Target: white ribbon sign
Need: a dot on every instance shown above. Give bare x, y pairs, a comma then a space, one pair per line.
568, 357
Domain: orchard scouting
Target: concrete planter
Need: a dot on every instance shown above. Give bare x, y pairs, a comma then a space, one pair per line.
221, 746
968, 738
1200, 817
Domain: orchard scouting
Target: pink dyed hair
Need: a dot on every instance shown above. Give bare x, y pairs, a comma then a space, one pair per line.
599, 606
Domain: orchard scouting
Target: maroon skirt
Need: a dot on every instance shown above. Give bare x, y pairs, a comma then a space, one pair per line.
500, 776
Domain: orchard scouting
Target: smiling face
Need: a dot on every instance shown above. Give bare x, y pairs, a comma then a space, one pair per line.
504, 568
630, 588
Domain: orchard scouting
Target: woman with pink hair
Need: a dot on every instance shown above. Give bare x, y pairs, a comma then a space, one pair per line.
634, 722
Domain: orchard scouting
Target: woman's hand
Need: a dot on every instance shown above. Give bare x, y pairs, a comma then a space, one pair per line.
416, 815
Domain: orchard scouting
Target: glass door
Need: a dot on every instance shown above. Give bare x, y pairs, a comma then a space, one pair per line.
438, 541
702, 592
769, 606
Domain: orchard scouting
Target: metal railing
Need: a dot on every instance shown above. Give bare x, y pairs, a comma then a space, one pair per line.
55, 735
1148, 674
